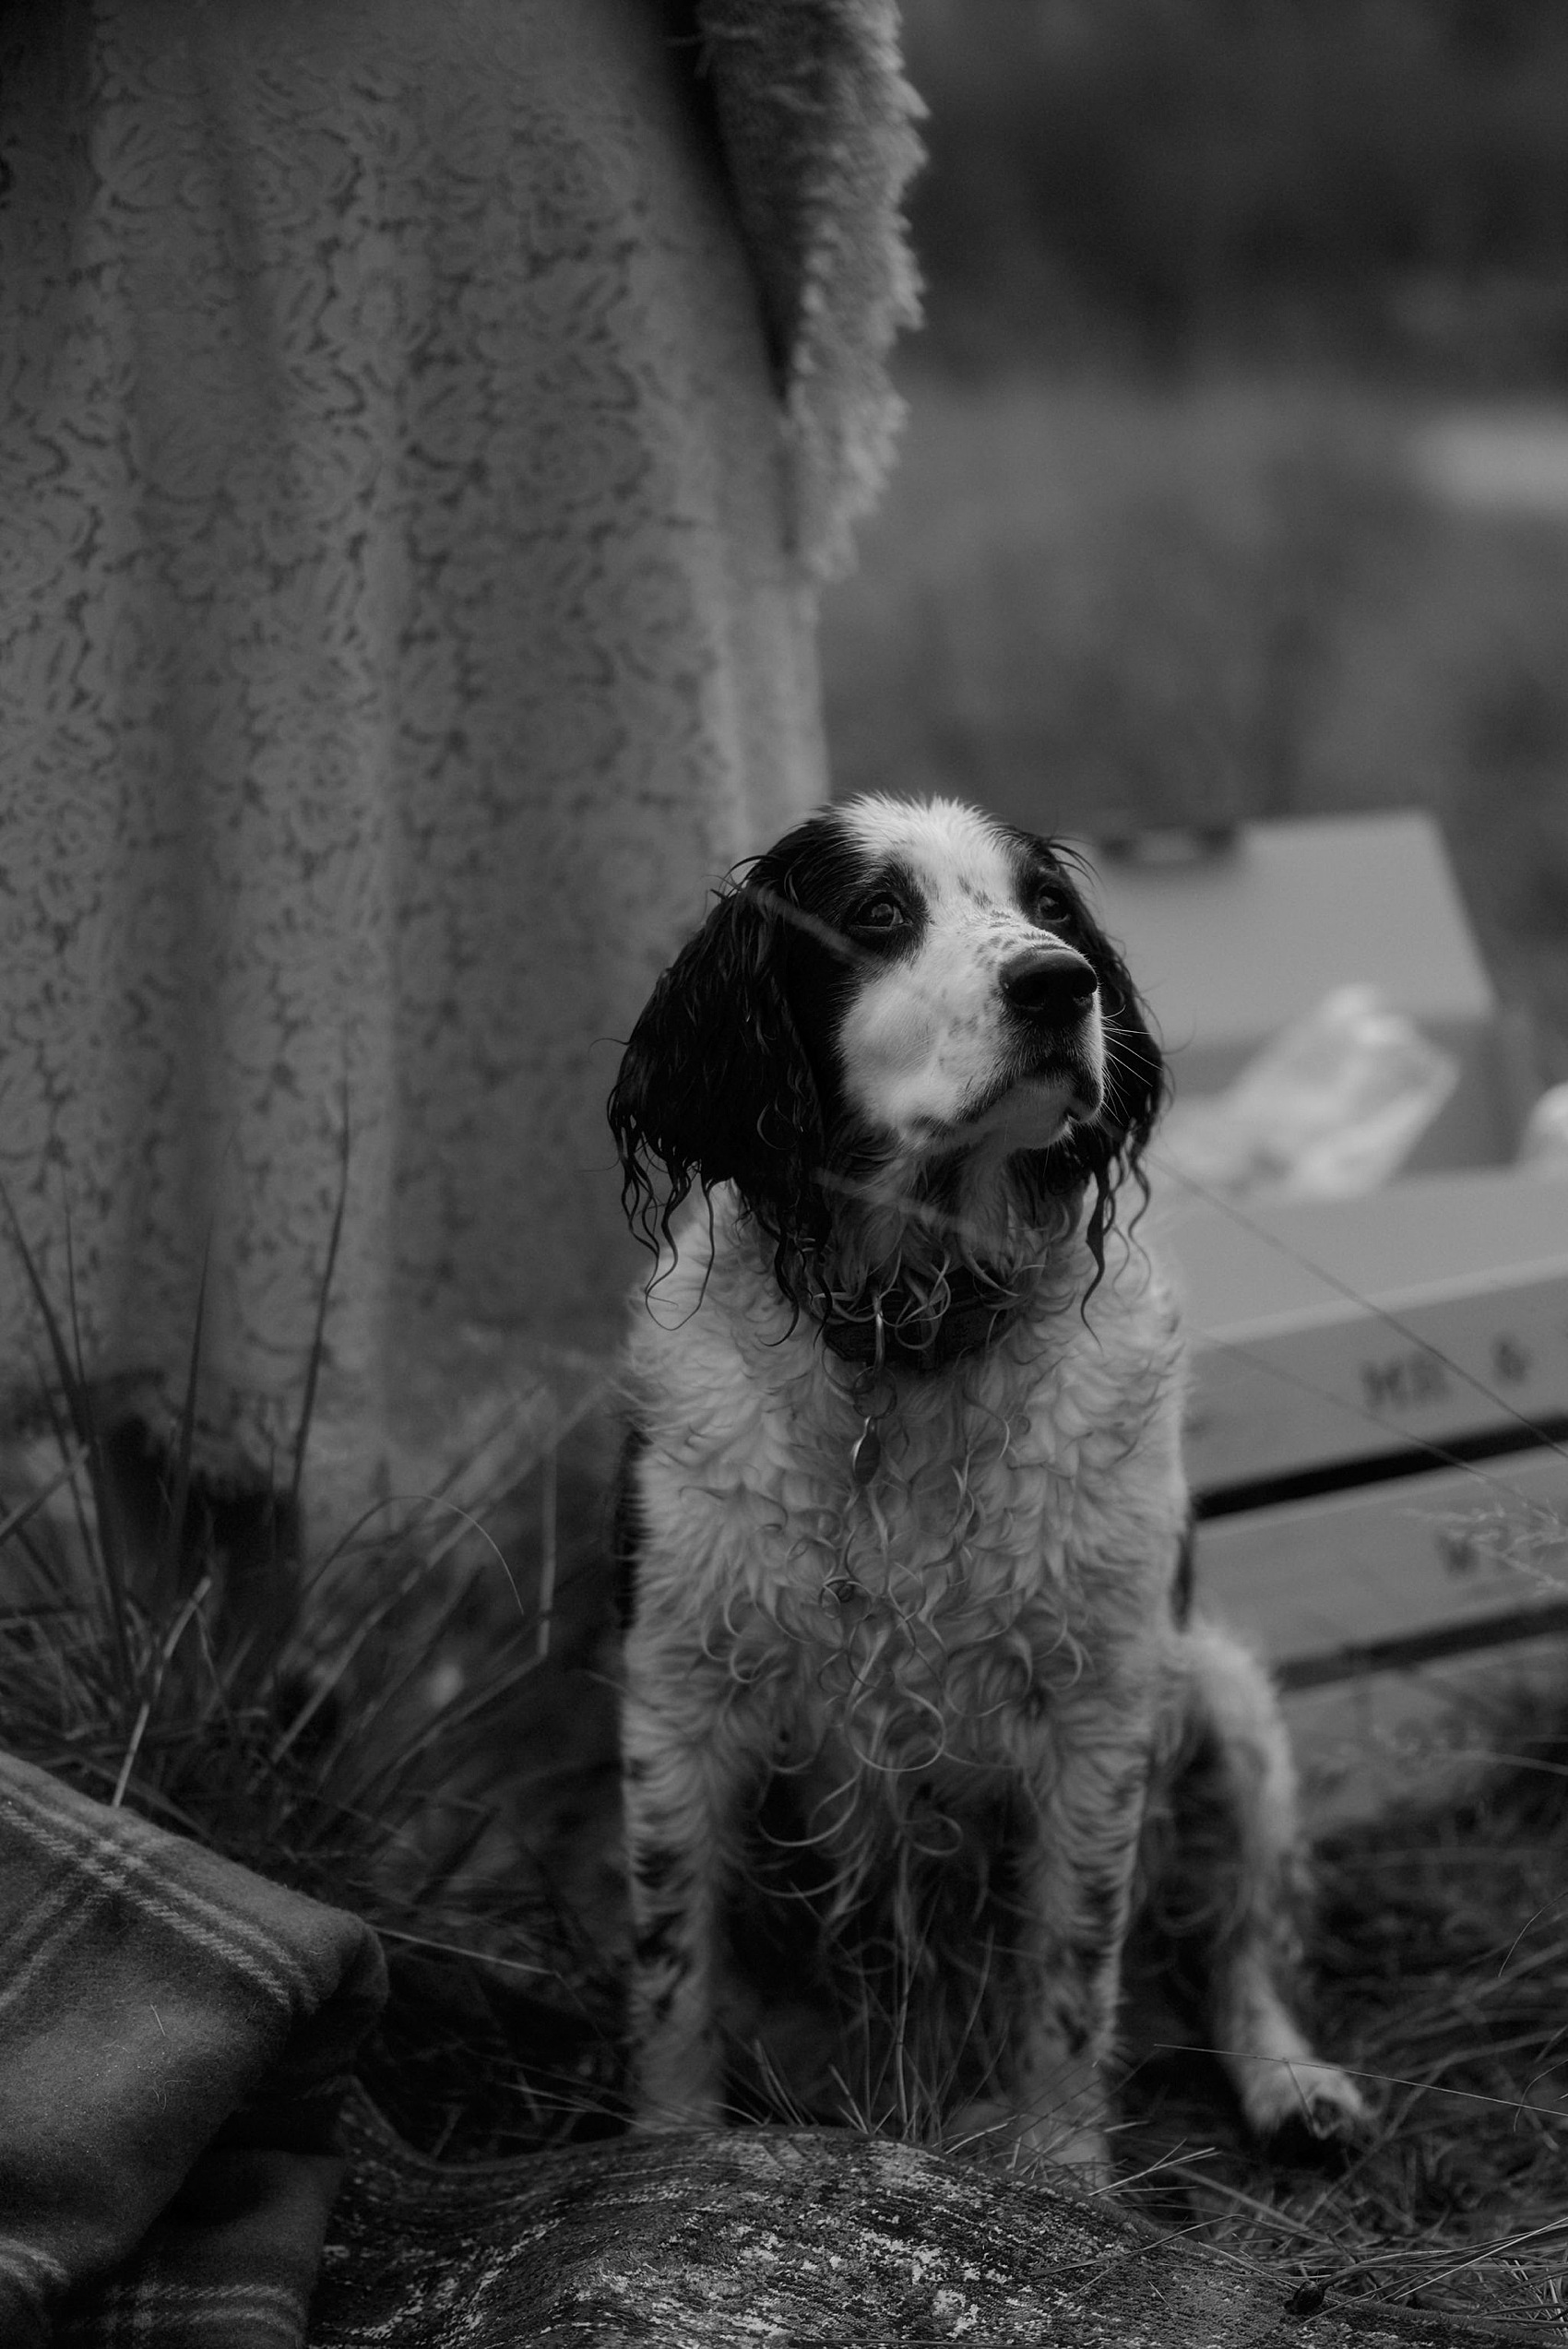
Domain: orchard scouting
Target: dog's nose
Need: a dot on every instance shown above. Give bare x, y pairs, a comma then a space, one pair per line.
1049, 983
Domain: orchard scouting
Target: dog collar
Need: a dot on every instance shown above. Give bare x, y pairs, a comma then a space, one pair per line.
898, 1332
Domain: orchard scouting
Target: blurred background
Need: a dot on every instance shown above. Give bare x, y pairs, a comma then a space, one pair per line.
1236, 476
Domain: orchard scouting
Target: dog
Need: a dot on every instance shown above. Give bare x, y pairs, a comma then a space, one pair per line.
910, 1655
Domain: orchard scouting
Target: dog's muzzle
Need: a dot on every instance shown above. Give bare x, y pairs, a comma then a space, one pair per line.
1050, 986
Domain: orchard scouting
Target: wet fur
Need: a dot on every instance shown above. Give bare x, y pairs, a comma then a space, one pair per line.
939, 1712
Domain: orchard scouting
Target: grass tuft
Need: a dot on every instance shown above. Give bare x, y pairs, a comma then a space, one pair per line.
377, 1725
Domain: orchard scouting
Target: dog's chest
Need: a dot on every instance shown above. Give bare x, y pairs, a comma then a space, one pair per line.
937, 1604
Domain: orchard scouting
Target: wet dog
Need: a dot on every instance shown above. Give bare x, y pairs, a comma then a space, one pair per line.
910, 1643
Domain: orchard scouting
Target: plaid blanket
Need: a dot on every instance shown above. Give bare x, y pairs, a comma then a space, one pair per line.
175, 2035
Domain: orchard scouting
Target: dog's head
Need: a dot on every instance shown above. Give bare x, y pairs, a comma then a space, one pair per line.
901, 1021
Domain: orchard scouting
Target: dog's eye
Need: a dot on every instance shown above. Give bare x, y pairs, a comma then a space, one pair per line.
1045, 901
881, 912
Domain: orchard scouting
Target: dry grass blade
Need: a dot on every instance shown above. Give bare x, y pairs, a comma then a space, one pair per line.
177, 1631
15, 1521
76, 1393
179, 1502
318, 1334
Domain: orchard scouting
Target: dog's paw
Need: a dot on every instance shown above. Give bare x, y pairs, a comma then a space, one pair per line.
1303, 2096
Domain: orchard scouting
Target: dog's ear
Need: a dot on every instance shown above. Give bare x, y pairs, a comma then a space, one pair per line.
1109, 1151
716, 1085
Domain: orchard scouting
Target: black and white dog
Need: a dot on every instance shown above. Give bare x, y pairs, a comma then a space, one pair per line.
909, 1637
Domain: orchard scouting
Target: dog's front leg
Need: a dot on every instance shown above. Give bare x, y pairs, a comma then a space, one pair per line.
1075, 1891
680, 1805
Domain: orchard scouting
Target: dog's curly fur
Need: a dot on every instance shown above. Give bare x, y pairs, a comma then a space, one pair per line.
910, 1652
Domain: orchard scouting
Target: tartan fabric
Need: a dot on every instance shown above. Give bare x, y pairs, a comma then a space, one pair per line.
175, 2037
